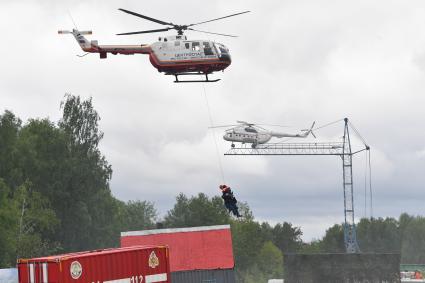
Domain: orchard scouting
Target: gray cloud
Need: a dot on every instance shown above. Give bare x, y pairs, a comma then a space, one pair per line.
294, 62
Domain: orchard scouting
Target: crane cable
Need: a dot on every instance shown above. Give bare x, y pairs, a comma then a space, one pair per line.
367, 168
370, 186
318, 128
213, 133
365, 186
328, 124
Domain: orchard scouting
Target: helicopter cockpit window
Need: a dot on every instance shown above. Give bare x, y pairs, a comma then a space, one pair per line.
196, 46
187, 45
207, 48
223, 50
250, 130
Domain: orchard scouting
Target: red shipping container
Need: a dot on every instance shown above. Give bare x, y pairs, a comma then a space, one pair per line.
194, 248
138, 264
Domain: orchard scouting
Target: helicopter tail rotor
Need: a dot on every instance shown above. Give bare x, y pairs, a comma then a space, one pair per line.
310, 131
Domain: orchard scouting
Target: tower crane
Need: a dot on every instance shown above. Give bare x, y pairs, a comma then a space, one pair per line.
342, 149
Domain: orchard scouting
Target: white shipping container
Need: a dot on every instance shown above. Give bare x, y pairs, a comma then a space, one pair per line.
9, 275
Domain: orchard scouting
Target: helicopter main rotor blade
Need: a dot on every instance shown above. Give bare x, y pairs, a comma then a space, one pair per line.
273, 125
212, 32
260, 127
223, 126
219, 18
144, 31
145, 17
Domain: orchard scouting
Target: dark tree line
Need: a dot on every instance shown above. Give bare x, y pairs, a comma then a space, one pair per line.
54, 187
405, 235
55, 197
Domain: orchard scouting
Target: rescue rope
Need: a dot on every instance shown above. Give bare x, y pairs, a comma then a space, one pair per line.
214, 137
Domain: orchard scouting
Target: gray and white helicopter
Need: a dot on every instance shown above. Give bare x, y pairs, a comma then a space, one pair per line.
254, 134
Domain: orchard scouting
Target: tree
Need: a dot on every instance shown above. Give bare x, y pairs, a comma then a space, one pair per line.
247, 243
8, 227
315, 246
86, 207
80, 122
10, 126
287, 238
333, 241
413, 244
270, 261
138, 215
378, 235
268, 265
37, 223
197, 211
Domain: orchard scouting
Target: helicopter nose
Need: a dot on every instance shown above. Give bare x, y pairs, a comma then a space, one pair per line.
226, 137
225, 57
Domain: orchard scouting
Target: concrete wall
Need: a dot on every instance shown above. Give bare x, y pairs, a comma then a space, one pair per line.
204, 276
342, 268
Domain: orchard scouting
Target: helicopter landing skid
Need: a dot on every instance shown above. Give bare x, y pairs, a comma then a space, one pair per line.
207, 80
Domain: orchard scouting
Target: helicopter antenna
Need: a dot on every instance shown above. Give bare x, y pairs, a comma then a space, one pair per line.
180, 28
72, 19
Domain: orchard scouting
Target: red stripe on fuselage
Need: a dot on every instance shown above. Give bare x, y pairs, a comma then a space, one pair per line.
206, 65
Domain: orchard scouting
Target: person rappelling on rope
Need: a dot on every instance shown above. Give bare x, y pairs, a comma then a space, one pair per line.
229, 200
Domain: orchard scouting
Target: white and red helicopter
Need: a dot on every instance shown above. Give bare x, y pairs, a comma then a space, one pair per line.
173, 55
254, 134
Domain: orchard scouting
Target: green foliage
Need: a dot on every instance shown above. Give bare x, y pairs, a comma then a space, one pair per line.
55, 194
314, 246
270, 260
333, 241
287, 238
196, 211
9, 129
247, 243
8, 226
269, 264
137, 215
378, 235
37, 223
413, 243
80, 122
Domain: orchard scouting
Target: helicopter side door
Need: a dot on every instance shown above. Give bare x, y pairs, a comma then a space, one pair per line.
192, 50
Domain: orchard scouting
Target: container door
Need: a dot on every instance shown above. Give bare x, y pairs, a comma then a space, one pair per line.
44, 273
31, 268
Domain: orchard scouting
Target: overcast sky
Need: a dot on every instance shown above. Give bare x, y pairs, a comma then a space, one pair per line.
294, 62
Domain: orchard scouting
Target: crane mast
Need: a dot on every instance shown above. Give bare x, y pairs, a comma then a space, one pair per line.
341, 149
350, 237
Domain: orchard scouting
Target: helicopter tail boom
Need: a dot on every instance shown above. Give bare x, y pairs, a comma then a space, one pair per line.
305, 133
103, 50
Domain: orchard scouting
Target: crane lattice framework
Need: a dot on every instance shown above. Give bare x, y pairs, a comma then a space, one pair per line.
342, 149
